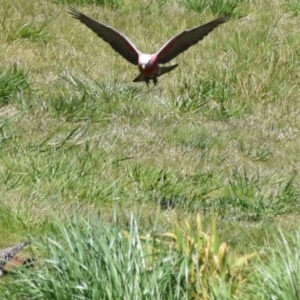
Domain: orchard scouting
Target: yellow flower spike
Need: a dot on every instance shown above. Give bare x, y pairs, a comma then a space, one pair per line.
217, 263
222, 252
202, 269
187, 226
206, 253
244, 260
169, 234
209, 260
215, 236
198, 222
207, 242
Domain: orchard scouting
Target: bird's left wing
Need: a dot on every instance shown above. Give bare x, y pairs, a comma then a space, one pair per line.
117, 40
186, 39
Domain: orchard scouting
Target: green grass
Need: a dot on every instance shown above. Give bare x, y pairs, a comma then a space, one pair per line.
218, 134
293, 6
217, 7
84, 261
98, 262
109, 3
278, 276
12, 82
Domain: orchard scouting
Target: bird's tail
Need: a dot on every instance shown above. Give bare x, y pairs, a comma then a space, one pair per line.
139, 78
163, 70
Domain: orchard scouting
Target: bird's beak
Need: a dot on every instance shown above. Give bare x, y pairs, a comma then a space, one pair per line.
143, 66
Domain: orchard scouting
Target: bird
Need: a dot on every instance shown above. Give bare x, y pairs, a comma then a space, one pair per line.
149, 64
8, 253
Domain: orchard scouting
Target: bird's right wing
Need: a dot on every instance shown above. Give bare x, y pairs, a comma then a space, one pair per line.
118, 41
186, 39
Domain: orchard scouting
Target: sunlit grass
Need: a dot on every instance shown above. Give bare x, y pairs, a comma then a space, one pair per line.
220, 133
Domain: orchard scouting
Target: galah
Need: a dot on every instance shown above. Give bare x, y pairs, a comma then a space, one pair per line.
149, 64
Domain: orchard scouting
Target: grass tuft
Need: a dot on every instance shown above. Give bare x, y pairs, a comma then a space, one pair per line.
293, 6
277, 275
89, 261
224, 7
109, 3
90, 100
197, 6
12, 81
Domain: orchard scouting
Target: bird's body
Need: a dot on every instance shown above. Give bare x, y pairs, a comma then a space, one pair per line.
8, 253
149, 64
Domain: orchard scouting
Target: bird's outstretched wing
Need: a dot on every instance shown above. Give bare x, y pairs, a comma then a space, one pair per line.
117, 40
186, 39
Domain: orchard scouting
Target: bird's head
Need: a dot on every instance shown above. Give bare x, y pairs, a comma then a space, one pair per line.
145, 61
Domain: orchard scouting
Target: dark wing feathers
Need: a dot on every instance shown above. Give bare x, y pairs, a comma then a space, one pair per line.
118, 41
186, 39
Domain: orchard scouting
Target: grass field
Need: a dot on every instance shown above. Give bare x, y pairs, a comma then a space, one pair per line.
109, 177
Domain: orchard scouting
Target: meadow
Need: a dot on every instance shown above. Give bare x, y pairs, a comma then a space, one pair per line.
185, 190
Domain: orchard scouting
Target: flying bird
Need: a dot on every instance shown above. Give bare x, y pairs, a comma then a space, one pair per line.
148, 64
8, 253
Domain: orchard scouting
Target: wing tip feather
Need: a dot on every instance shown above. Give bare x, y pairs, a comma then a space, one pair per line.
224, 18
74, 12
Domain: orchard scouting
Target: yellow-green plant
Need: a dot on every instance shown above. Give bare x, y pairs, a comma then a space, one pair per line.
210, 265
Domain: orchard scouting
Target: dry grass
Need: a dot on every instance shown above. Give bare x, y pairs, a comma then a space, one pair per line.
221, 131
